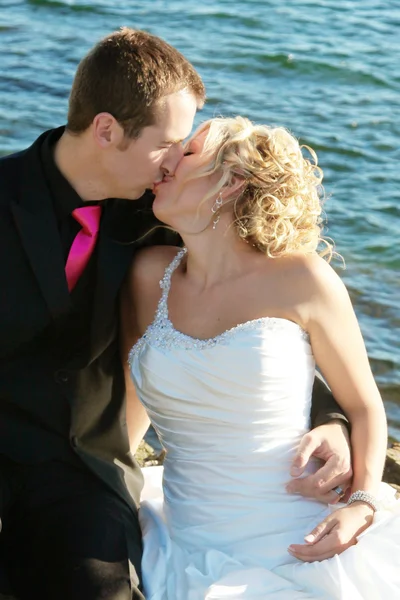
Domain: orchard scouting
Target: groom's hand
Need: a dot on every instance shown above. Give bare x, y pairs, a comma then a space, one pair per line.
331, 444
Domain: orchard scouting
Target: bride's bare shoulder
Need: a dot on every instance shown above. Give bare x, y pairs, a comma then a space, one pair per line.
148, 268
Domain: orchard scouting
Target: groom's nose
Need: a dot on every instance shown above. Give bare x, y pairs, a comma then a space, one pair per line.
172, 159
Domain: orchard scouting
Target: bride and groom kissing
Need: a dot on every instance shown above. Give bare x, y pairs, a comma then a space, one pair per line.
108, 321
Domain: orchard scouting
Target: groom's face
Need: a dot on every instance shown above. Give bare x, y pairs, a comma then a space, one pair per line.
145, 161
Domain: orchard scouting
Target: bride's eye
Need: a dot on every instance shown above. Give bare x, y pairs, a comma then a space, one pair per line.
188, 153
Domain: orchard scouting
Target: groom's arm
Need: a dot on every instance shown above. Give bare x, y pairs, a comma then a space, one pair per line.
324, 407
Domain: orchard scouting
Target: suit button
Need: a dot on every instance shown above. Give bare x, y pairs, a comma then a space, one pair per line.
61, 376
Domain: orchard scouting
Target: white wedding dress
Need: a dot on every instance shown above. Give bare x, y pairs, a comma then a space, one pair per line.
230, 412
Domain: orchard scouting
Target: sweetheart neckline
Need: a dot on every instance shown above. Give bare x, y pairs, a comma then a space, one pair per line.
161, 333
215, 338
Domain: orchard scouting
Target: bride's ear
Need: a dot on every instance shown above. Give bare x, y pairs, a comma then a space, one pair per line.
233, 188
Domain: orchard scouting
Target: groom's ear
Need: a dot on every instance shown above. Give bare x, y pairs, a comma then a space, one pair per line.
106, 130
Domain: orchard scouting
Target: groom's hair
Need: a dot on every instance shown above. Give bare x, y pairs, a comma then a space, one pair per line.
127, 74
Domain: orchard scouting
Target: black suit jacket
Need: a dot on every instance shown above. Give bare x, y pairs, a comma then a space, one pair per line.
50, 409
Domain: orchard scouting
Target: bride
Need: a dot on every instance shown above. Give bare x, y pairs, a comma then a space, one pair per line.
227, 333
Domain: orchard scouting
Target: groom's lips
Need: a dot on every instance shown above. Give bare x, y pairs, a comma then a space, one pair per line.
155, 186
158, 183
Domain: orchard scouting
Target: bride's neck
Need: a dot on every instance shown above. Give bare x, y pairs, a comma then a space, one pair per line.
215, 256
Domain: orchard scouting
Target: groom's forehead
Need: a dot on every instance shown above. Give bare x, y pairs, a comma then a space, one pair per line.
175, 116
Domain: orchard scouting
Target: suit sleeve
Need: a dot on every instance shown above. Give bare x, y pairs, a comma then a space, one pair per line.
324, 407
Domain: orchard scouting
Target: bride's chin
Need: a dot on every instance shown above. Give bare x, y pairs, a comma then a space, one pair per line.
162, 215
158, 207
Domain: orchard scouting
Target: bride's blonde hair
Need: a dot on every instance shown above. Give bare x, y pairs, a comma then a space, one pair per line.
278, 208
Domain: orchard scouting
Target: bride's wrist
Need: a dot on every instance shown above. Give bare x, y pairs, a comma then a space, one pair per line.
361, 507
363, 497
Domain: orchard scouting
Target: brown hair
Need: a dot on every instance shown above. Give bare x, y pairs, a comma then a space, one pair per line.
127, 74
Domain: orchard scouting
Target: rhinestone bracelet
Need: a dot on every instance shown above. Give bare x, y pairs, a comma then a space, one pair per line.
361, 496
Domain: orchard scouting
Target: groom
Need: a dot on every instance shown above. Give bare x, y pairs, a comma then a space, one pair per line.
69, 227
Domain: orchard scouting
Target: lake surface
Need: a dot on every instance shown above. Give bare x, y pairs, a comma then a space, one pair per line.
329, 71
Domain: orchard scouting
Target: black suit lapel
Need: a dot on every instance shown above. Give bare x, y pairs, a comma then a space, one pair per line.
35, 221
113, 260
40, 239
123, 230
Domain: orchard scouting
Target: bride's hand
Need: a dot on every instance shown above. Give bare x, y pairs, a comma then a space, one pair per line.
334, 534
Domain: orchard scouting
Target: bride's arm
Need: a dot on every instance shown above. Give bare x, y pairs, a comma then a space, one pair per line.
340, 353
136, 417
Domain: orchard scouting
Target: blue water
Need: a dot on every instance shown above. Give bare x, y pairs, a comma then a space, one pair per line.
329, 71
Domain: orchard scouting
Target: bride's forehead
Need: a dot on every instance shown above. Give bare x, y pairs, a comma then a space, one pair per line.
198, 139
201, 135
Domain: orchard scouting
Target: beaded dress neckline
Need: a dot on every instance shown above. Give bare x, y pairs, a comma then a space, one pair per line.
162, 333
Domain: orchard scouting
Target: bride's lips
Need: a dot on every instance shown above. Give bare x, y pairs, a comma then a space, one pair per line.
158, 183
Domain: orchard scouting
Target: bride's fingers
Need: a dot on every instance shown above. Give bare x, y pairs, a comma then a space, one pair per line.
331, 544
312, 552
316, 558
321, 530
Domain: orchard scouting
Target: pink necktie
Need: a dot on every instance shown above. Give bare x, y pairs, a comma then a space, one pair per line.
83, 244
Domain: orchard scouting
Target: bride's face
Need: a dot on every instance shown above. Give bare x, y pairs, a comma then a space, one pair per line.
179, 199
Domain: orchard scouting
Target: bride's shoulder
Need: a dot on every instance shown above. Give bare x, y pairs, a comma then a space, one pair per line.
153, 259
311, 272
148, 267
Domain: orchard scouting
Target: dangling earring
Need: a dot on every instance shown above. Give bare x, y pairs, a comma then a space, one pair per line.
215, 208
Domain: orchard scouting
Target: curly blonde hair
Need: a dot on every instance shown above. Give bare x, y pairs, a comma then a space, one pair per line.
279, 206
